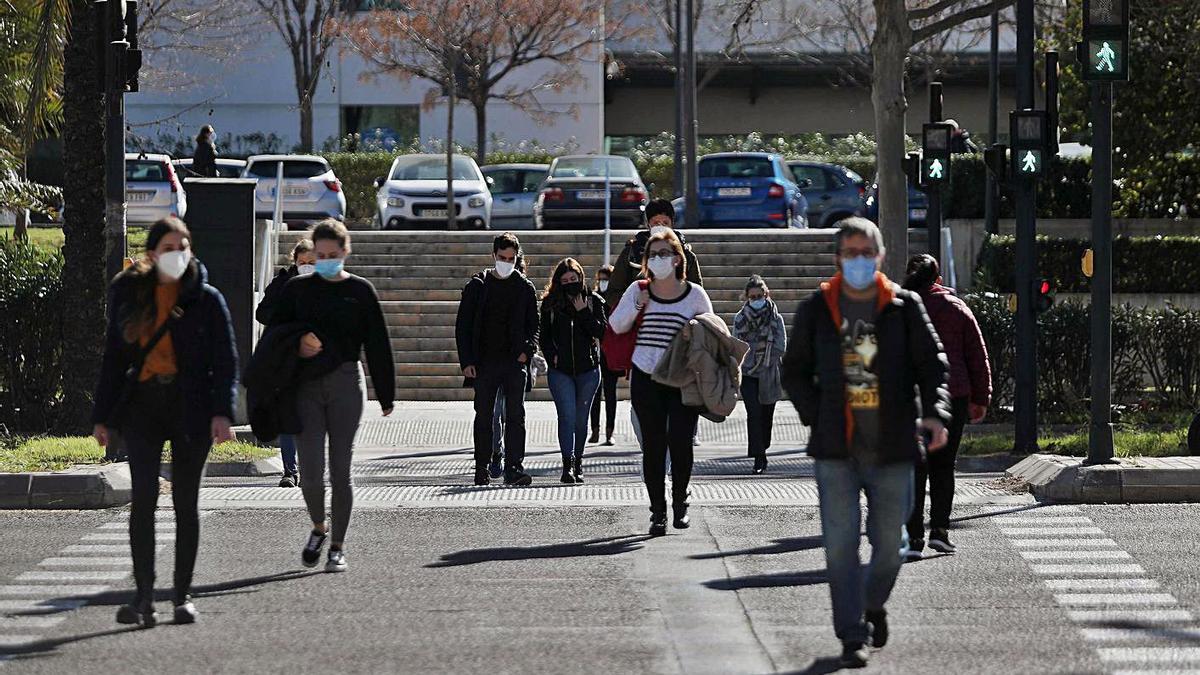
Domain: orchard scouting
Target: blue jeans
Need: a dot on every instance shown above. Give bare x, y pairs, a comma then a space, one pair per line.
573, 396
889, 491
287, 449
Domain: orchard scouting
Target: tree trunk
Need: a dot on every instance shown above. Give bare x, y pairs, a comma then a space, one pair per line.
481, 132
83, 223
306, 122
451, 217
889, 47
21, 226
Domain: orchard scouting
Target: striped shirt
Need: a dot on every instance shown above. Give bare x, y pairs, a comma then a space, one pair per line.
661, 322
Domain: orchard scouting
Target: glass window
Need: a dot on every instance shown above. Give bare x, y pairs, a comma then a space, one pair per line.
432, 167
737, 167
532, 180
292, 168
145, 171
593, 167
382, 127
815, 174
504, 181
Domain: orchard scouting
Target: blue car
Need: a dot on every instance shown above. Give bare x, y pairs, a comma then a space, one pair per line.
748, 189
918, 205
833, 192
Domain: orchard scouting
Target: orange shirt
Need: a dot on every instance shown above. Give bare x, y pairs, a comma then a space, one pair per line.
161, 359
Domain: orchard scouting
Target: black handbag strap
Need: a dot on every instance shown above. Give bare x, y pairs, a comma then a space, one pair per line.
176, 313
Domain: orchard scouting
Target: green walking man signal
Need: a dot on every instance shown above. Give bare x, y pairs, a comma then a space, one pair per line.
1030, 162
1105, 46
936, 170
1029, 135
1106, 56
935, 151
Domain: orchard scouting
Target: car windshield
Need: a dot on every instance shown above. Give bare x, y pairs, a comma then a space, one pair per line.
427, 167
292, 168
145, 171
737, 167
593, 167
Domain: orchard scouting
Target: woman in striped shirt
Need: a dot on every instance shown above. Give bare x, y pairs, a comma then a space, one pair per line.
666, 305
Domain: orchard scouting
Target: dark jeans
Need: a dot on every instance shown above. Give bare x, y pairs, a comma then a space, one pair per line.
608, 391
491, 378
155, 416
760, 419
667, 426
939, 471
287, 450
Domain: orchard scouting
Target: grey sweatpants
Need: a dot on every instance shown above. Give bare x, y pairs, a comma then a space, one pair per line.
330, 407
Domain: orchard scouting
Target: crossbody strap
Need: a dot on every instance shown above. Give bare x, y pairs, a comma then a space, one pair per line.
176, 313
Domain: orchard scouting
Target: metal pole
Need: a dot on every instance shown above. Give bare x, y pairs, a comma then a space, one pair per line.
679, 82
277, 213
115, 250
933, 217
1100, 431
990, 211
1026, 254
692, 206
607, 214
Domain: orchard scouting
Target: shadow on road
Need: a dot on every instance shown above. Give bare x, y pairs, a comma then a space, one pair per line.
45, 647
1155, 631
574, 549
784, 579
786, 545
829, 664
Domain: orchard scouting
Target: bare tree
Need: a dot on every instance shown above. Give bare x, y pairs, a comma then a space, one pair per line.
306, 27
174, 32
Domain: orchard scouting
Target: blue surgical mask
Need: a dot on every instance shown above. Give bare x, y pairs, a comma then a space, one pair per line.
758, 304
330, 267
859, 272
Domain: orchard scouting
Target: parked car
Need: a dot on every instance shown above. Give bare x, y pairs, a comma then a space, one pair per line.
747, 189
572, 197
310, 190
514, 189
413, 194
152, 190
833, 192
226, 168
918, 205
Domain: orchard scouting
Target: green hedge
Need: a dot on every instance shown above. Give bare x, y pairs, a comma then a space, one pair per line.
31, 301
1140, 264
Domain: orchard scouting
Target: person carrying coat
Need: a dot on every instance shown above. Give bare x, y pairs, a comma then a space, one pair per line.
760, 324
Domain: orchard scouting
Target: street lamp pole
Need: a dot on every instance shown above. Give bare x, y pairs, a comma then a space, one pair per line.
679, 107
990, 215
691, 212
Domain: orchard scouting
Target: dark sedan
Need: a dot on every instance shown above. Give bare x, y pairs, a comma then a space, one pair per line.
918, 205
833, 191
573, 195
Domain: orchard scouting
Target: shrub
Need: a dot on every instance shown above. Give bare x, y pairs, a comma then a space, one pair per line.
31, 303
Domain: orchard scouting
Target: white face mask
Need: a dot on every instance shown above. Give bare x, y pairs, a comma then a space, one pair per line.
306, 269
172, 265
659, 229
603, 286
662, 268
504, 269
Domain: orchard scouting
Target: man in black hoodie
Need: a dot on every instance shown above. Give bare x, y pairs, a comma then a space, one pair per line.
497, 331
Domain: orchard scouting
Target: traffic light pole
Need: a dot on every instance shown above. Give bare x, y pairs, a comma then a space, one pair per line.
1025, 192
1100, 431
114, 141
933, 213
679, 82
990, 200
692, 204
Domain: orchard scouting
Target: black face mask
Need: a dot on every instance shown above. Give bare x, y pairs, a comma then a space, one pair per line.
573, 288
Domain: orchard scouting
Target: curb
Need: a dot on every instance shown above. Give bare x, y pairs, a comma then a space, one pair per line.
997, 463
80, 487
271, 466
1053, 478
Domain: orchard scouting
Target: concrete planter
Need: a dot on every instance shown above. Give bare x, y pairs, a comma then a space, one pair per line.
81, 487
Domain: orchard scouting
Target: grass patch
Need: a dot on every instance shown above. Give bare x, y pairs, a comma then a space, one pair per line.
56, 453
52, 237
1129, 443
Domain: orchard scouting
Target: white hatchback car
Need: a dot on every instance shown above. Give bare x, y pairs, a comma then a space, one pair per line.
413, 194
152, 190
311, 191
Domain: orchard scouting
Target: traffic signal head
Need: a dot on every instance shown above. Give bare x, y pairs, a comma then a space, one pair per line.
1104, 51
1105, 60
1028, 131
935, 147
1043, 295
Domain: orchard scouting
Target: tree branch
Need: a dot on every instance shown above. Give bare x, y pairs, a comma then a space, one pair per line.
959, 18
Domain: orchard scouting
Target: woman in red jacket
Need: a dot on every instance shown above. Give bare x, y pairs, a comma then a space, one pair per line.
970, 394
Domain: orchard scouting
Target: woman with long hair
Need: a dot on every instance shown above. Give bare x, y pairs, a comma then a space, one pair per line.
204, 160
666, 304
759, 324
608, 378
169, 373
573, 319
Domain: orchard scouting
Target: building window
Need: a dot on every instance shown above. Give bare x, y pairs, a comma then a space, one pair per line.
382, 127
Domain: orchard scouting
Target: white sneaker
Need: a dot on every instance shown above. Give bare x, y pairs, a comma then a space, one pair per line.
336, 562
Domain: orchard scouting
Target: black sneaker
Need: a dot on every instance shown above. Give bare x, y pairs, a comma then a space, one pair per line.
878, 627
760, 465
567, 476
658, 524
289, 480
312, 549
914, 551
496, 468
185, 612
854, 655
595, 437
132, 615
682, 520
939, 540
482, 477
518, 479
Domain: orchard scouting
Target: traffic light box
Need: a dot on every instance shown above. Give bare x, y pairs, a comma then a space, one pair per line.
117, 54
1029, 151
935, 147
1104, 51
1044, 293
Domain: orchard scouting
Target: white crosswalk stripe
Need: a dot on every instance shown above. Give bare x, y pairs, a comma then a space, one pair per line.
1076, 555
120, 536
1051, 531
53, 590
1134, 634
1044, 520
74, 575
1150, 654
1064, 543
1101, 584
1088, 568
92, 561
1141, 615
1115, 598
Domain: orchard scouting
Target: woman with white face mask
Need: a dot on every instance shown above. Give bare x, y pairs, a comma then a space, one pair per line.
658, 309
168, 374
759, 324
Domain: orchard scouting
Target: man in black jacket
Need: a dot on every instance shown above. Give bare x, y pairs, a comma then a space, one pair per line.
497, 333
861, 351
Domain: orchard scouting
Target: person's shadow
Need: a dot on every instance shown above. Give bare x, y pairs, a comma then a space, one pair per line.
574, 549
777, 546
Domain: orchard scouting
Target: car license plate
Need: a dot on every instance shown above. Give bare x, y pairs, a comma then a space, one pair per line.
916, 214
139, 196
592, 195
733, 192
433, 213
295, 192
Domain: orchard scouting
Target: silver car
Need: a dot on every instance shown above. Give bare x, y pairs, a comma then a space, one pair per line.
310, 190
152, 190
514, 189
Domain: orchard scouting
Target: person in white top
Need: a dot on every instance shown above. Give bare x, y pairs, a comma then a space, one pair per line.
666, 305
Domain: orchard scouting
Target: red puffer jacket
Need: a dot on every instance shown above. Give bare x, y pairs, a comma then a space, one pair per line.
970, 372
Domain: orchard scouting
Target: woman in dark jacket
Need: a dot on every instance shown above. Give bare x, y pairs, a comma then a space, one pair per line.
168, 374
304, 261
204, 160
970, 394
608, 378
573, 319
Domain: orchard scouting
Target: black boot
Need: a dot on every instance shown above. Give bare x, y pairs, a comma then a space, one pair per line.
566, 474
595, 437
608, 434
760, 464
140, 613
658, 523
680, 507
578, 468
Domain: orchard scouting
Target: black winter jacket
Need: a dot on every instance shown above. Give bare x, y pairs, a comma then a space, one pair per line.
910, 364
571, 339
273, 292
273, 375
468, 324
205, 352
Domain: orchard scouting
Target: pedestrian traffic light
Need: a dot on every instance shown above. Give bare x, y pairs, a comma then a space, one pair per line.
1043, 295
118, 59
133, 55
1028, 135
1104, 50
935, 147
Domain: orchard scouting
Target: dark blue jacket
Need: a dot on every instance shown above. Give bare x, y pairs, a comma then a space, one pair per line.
204, 351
